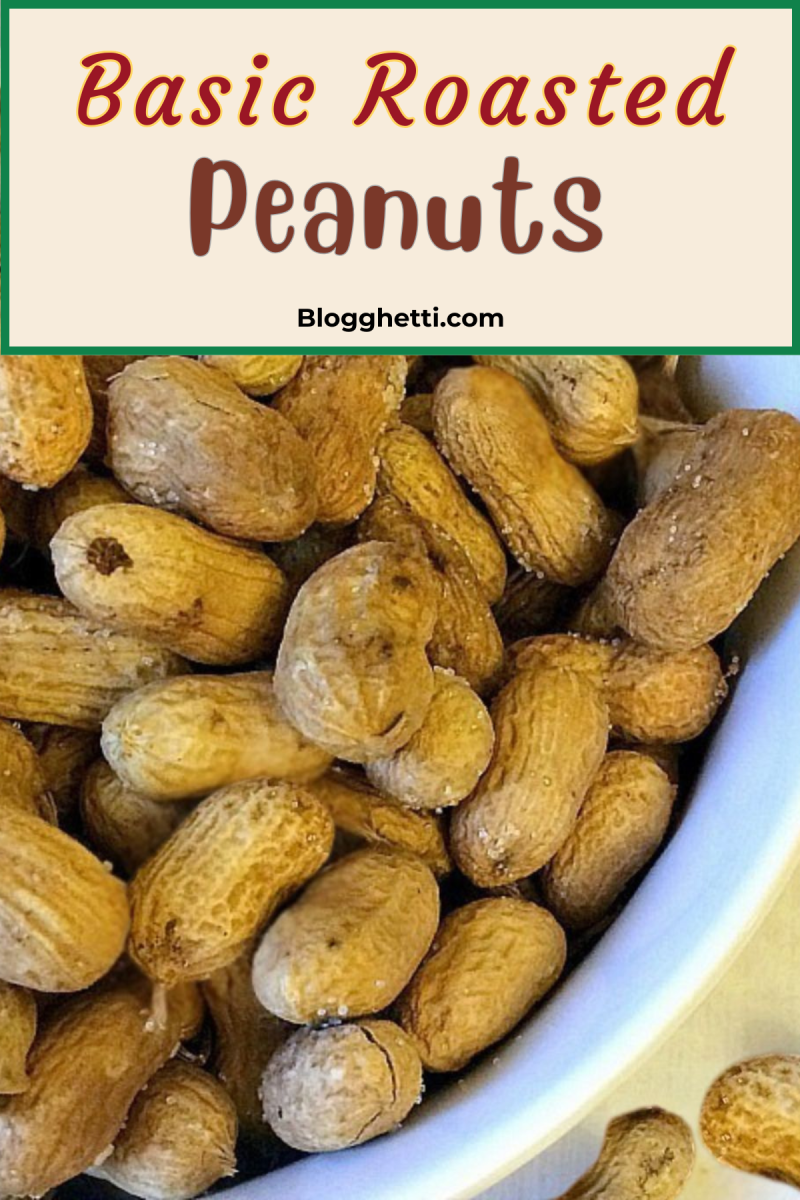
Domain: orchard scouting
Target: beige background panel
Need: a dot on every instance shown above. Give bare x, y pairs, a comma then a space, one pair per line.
696, 222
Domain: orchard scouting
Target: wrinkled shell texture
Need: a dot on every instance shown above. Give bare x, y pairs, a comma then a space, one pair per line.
63, 668
352, 674
646, 1155
122, 824
551, 730
621, 824
751, 1117
222, 874
17, 1030
364, 815
154, 574
45, 417
688, 564
100, 370
179, 1138
590, 400
340, 406
492, 433
22, 781
445, 758
196, 733
453, 1007
351, 942
465, 636
91, 1059
63, 917
414, 473
652, 696
246, 1037
256, 374
185, 438
326, 1089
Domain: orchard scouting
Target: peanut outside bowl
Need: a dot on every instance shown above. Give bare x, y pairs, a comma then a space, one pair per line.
693, 913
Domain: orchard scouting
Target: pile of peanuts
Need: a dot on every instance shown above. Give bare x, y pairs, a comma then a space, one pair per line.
342, 706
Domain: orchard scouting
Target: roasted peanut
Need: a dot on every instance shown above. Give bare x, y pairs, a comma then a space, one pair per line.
361, 814
17, 1031
646, 1155
651, 696
121, 823
79, 490
453, 1008
179, 1137
60, 667
150, 573
751, 1117
185, 438
87, 1065
188, 736
246, 1037
591, 401
256, 374
63, 917
492, 433
351, 942
45, 417
659, 391
365, 616
217, 880
326, 1089
443, 761
620, 827
465, 636
413, 472
22, 782
551, 729
689, 563
340, 405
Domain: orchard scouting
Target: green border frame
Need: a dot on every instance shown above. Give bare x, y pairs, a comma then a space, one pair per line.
7, 5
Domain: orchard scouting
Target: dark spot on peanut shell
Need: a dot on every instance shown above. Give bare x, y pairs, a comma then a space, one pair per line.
107, 555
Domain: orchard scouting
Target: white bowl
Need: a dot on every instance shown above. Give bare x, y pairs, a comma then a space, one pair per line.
690, 916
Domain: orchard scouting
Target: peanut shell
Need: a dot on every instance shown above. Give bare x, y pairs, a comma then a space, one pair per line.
150, 573
340, 405
17, 1031
442, 762
590, 401
492, 433
551, 729
352, 674
86, 1067
689, 563
220, 876
45, 417
453, 1009
351, 942
179, 1138
327, 1089
63, 917
620, 827
197, 733
751, 1117
186, 439
60, 667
